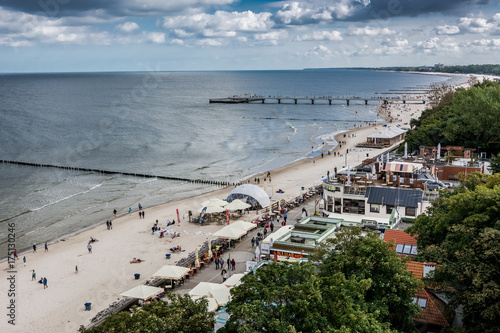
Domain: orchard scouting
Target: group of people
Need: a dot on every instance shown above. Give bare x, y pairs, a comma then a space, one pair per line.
176, 249
219, 263
109, 224
41, 281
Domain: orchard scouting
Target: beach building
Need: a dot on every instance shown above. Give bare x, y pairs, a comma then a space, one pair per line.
386, 136
405, 244
250, 194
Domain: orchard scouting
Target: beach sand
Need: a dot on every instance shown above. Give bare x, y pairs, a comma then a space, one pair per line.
107, 272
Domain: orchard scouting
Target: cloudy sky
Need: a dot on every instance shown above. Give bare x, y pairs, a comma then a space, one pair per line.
144, 35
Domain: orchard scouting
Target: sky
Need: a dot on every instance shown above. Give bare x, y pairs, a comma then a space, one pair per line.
179, 35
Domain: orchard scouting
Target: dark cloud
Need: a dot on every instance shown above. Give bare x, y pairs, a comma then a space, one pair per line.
59, 8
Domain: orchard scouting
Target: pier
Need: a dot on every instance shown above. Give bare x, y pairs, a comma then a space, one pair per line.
256, 99
195, 181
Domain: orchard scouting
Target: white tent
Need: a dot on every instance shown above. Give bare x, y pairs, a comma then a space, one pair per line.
251, 194
171, 272
237, 204
234, 280
219, 292
213, 209
142, 292
212, 303
244, 225
230, 232
214, 202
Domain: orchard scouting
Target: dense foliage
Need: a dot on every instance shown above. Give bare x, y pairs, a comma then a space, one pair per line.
486, 69
461, 232
470, 118
182, 314
361, 287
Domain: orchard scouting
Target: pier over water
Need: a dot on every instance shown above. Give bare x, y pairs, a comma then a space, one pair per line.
257, 99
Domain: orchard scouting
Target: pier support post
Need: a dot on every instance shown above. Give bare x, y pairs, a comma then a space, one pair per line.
404, 102
347, 101
366, 102
295, 101
312, 101
263, 101
329, 102
279, 101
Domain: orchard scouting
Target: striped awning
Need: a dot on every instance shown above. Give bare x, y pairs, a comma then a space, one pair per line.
398, 167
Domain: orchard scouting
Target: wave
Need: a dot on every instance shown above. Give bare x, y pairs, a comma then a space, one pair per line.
66, 198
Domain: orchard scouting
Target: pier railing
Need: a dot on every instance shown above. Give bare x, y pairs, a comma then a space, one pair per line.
238, 99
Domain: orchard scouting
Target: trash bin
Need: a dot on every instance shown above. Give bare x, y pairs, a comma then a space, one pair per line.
137, 276
167, 255
88, 306
302, 188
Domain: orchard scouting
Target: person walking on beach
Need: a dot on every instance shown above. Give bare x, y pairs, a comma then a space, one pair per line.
89, 247
140, 206
34, 248
107, 224
33, 275
114, 212
221, 262
142, 214
76, 269
217, 263
110, 224
233, 264
45, 283
228, 263
129, 211
24, 261
46, 247
271, 225
253, 241
15, 254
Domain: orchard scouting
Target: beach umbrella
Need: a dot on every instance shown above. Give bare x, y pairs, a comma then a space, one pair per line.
237, 204
171, 272
244, 225
214, 202
213, 209
197, 259
234, 280
142, 292
212, 303
257, 253
406, 150
230, 232
209, 248
218, 291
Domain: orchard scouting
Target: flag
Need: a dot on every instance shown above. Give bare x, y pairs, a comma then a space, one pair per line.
202, 215
227, 216
178, 217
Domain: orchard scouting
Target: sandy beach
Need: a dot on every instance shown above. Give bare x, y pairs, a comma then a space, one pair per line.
107, 271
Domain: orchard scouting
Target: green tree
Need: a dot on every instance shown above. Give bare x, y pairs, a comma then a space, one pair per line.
495, 164
461, 232
360, 257
182, 314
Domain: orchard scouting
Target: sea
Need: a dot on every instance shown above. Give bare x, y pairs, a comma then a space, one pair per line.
160, 123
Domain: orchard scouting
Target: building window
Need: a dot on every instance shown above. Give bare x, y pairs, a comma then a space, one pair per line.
410, 211
375, 208
388, 209
399, 248
407, 249
414, 250
420, 301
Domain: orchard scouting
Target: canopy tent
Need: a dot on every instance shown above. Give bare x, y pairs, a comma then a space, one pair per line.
403, 167
251, 194
234, 280
244, 225
142, 292
171, 272
387, 133
212, 303
214, 202
219, 292
213, 209
237, 204
230, 232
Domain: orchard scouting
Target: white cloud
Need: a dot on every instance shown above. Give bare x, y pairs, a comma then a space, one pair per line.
177, 41
155, 37
221, 20
447, 30
208, 42
271, 37
321, 35
320, 51
370, 31
128, 26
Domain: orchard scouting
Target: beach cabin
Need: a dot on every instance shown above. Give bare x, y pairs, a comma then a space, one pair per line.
387, 136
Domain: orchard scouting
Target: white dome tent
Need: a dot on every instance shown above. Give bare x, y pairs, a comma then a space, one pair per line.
251, 194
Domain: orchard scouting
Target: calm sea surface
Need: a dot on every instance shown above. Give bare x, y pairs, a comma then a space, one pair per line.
157, 123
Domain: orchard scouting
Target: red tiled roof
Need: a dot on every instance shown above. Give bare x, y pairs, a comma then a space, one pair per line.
416, 268
431, 313
399, 237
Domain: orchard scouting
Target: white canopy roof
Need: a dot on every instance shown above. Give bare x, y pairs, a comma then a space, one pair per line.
142, 292
230, 232
252, 192
387, 132
234, 280
215, 290
171, 272
244, 225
